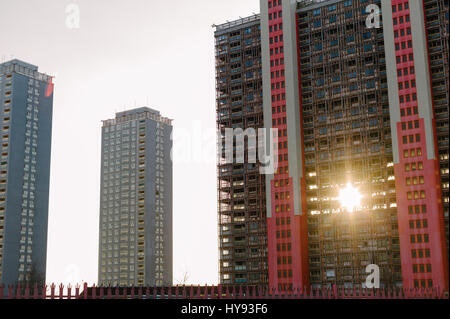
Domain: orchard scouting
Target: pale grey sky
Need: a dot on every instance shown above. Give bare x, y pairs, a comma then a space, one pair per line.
125, 53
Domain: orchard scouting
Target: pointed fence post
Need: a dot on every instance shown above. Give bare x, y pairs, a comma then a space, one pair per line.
85, 292
18, 291
219, 291
109, 292
77, 291
69, 291
61, 291
213, 292
94, 291
162, 294
52, 291
27, 291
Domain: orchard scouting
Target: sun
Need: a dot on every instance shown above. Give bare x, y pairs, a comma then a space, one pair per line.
350, 198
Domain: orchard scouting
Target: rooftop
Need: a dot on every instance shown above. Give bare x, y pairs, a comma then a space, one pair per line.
138, 113
24, 68
238, 24
21, 63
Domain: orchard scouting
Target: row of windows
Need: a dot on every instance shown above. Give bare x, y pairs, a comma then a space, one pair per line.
414, 166
282, 196
416, 195
408, 98
278, 85
282, 208
423, 283
417, 209
420, 253
418, 224
277, 74
421, 268
410, 139
275, 15
409, 111
410, 125
405, 71
412, 152
402, 32
283, 234
401, 19
405, 58
415, 180
419, 238
285, 274
284, 260
406, 85
282, 182
276, 27
274, 3
400, 7
284, 247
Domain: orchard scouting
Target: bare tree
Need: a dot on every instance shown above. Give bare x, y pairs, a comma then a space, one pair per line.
184, 279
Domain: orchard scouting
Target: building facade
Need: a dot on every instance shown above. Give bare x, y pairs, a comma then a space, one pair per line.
241, 189
437, 23
358, 90
417, 165
26, 109
136, 200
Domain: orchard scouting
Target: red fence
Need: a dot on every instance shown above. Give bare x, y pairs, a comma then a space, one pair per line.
212, 292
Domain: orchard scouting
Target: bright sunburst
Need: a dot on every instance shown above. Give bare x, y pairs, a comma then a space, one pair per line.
350, 198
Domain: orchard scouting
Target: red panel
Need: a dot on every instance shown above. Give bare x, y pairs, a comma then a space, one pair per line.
293, 265
412, 192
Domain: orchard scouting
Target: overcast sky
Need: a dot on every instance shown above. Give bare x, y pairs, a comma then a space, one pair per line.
125, 53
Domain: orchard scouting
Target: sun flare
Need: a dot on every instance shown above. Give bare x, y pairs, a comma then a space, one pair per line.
350, 198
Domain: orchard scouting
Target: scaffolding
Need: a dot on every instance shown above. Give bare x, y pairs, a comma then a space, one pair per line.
347, 138
241, 189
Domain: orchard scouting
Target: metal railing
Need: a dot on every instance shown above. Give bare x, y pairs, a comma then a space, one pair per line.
213, 292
